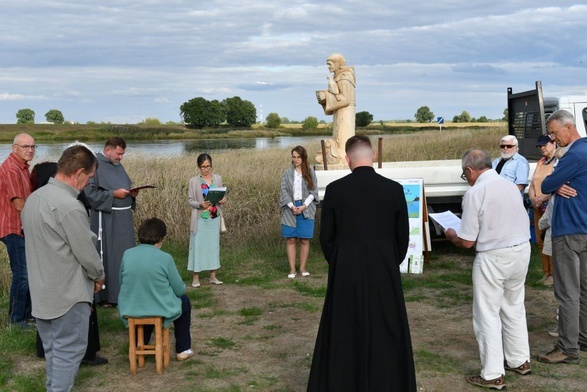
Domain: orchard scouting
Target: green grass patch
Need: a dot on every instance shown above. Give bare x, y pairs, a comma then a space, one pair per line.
222, 343
306, 289
434, 362
201, 298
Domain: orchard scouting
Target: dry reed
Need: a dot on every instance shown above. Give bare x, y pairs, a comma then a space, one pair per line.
253, 177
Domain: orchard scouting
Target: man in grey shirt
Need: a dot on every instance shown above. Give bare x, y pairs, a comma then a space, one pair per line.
64, 268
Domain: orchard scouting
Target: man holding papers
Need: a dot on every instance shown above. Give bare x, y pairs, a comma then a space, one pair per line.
495, 221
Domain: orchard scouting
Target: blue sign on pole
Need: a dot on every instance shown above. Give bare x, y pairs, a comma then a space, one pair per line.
440, 120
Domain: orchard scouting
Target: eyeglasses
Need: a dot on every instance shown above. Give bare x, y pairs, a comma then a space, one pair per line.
27, 146
206, 167
507, 146
464, 175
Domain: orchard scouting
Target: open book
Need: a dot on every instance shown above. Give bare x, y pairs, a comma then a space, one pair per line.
215, 194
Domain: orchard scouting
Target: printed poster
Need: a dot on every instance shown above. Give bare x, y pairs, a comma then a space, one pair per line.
413, 191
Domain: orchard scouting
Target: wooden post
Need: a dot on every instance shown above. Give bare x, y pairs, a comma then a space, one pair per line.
380, 153
323, 144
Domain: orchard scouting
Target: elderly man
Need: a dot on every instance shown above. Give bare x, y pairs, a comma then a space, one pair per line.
569, 238
64, 268
363, 341
111, 215
15, 187
511, 164
495, 221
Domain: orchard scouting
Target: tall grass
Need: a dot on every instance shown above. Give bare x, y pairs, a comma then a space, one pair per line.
253, 177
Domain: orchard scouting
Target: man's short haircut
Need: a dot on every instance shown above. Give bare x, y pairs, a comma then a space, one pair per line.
476, 160
75, 158
115, 141
509, 139
357, 142
562, 117
152, 231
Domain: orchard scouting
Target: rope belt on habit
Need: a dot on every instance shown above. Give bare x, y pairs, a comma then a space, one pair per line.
100, 229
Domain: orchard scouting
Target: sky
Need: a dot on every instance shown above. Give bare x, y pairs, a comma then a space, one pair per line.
124, 61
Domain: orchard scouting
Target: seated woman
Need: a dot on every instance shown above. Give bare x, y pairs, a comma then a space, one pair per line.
151, 286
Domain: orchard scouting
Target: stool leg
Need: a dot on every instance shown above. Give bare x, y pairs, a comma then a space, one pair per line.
159, 346
141, 345
166, 347
132, 347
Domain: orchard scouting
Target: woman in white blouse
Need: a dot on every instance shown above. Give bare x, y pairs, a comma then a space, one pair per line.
297, 201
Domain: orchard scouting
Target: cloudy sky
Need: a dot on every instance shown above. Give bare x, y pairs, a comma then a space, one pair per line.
123, 61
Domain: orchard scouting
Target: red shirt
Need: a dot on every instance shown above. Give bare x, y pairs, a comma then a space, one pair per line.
14, 183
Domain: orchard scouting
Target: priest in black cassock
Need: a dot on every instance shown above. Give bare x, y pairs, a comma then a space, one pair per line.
363, 341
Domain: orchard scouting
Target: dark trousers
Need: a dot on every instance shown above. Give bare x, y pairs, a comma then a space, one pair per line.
93, 338
19, 307
183, 337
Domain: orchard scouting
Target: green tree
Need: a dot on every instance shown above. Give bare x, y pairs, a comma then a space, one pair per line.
285, 120
505, 114
424, 115
273, 120
464, 117
239, 113
200, 113
363, 119
25, 116
310, 122
483, 119
55, 116
151, 121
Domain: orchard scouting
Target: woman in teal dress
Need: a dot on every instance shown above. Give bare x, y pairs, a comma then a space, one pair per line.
204, 253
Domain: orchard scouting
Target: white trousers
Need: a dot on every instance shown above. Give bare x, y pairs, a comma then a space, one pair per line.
499, 314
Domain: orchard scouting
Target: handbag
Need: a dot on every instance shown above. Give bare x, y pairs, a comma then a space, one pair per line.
222, 224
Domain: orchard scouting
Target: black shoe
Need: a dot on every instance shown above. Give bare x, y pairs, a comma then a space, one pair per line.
96, 361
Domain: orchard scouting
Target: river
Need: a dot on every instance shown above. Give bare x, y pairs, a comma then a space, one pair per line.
162, 148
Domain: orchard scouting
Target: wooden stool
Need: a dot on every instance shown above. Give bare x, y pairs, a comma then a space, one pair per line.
137, 347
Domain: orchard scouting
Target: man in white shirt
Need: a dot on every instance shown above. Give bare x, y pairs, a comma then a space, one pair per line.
495, 221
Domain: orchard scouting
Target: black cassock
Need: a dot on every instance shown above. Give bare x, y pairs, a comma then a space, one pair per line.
363, 341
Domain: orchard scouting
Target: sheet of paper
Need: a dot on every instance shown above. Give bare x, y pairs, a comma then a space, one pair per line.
447, 219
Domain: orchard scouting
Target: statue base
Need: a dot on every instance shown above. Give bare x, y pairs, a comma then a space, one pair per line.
332, 166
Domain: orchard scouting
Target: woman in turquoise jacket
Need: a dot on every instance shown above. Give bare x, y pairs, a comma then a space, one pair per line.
151, 286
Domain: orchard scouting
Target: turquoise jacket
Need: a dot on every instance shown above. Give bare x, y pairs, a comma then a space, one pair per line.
150, 284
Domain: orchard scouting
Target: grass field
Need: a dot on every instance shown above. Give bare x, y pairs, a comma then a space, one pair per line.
257, 331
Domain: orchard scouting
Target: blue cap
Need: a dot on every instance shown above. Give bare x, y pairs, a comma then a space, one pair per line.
543, 140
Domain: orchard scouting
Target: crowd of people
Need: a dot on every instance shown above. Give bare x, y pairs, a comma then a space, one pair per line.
80, 250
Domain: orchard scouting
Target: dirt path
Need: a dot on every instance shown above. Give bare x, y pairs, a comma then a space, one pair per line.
261, 339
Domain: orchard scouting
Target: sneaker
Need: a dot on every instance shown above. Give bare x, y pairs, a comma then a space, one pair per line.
305, 273
554, 332
523, 369
557, 356
496, 383
548, 281
96, 361
185, 355
216, 281
291, 276
543, 279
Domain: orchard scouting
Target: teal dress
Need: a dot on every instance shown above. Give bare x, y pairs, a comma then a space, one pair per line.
204, 251
150, 284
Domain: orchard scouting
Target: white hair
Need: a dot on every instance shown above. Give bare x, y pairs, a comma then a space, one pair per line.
78, 143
